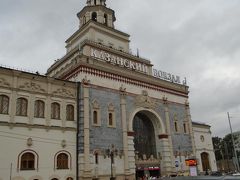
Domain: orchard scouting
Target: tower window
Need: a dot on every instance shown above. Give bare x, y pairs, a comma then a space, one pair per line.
105, 19
95, 2
94, 16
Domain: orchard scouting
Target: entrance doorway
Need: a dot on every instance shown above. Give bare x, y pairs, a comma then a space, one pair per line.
147, 163
205, 161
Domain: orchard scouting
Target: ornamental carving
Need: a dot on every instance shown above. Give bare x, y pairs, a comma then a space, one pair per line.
144, 160
145, 101
31, 86
3, 82
63, 92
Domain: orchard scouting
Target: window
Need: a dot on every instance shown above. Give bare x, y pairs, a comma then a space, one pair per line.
96, 113
4, 104
69, 178
94, 16
22, 104
176, 126
110, 119
55, 111
175, 118
27, 161
95, 2
54, 179
184, 128
84, 19
62, 161
95, 117
105, 19
70, 113
111, 116
96, 158
39, 109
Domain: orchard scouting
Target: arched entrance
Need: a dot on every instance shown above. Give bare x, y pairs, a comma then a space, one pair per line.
147, 125
205, 161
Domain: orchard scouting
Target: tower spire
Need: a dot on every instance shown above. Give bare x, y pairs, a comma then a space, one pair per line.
96, 10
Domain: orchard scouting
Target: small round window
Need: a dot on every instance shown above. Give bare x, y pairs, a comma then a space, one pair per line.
202, 138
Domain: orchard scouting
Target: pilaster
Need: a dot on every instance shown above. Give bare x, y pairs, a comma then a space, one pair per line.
124, 129
189, 120
168, 128
87, 169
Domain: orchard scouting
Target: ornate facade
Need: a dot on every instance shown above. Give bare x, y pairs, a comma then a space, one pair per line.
128, 122
131, 123
37, 127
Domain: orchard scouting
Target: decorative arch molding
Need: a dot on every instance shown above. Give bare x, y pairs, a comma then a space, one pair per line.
54, 176
18, 178
152, 114
36, 177
69, 159
36, 158
69, 176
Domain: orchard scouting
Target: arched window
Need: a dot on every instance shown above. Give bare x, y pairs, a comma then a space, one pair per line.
27, 161
111, 116
62, 161
55, 111
94, 16
110, 119
70, 112
39, 108
21, 109
95, 117
185, 129
176, 126
105, 19
96, 113
4, 104
69, 178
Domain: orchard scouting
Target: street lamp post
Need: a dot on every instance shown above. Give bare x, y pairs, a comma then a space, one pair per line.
111, 152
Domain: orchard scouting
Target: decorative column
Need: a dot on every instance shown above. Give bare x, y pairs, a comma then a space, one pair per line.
189, 120
168, 130
124, 129
87, 169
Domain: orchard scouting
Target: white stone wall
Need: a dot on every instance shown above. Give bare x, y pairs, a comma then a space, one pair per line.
49, 137
46, 144
205, 145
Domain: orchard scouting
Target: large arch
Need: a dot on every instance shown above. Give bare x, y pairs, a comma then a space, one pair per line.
158, 123
164, 156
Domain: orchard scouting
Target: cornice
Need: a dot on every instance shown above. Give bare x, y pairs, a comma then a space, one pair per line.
36, 126
130, 77
89, 24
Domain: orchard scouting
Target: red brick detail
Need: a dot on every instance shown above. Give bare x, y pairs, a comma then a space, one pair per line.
162, 136
130, 133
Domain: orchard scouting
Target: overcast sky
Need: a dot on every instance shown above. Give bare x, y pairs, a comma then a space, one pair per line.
197, 39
